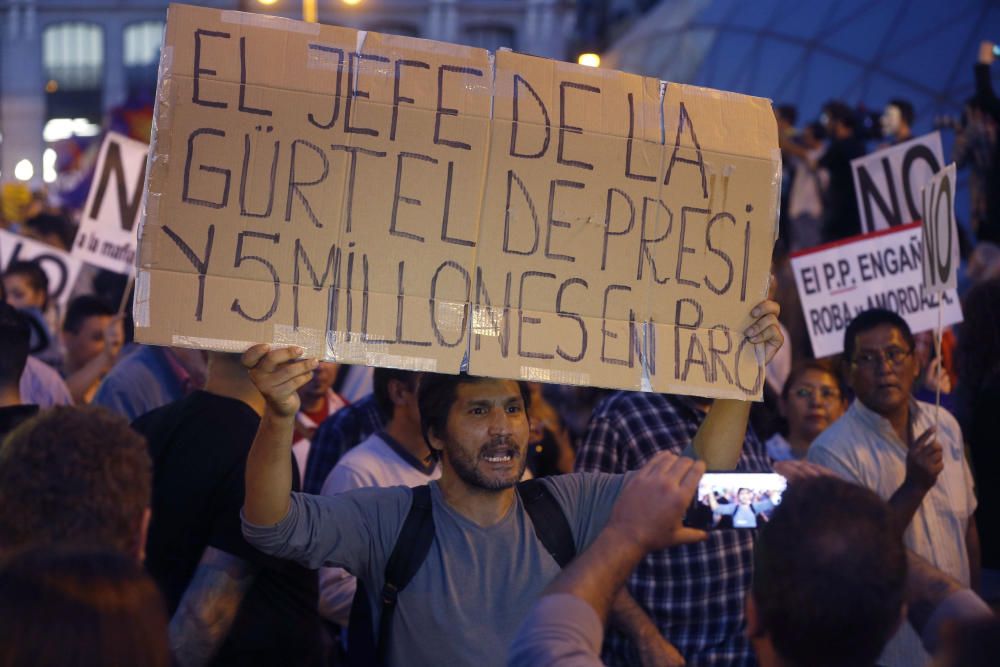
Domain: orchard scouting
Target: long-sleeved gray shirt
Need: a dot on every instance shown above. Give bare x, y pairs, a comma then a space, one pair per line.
465, 603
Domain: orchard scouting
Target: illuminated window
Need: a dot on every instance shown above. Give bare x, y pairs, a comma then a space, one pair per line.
142, 42
73, 55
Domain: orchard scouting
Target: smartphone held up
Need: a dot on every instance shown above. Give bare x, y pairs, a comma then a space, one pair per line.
735, 500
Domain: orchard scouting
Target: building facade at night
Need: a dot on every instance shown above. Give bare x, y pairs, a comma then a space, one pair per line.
66, 64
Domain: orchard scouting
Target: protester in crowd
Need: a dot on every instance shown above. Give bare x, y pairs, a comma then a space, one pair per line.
566, 624
319, 401
787, 116
229, 603
987, 102
489, 565
936, 373
75, 607
896, 122
52, 229
27, 288
973, 149
75, 475
807, 190
92, 338
14, 341
840, 210
828, 566
979, 410
887, 442
40, 384
345, 429
813, 397
699, 618
397, 455
550, 450
150, 377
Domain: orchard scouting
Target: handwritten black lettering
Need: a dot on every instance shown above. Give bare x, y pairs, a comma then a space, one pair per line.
719, 217
244, 211
684, 120
295, 186
396, 97
185, 196
396, 197
200, 265
447, 212
562, 312
438, 334
240, 258
336, 95
681, 325
243, 83
608, 232
523, 319
353, 92
352, 175
446, 111
554, 222
684, 249
605, 332
564, 128
752, 390
199, 70
332, 269
645, 255
516, 112
483, 301
628, 145
511, 179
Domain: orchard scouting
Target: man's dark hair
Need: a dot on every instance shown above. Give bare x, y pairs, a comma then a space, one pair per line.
74, 475
83, 307
870, 319
829, 575
380, 386
905, 110
840, 112
32, 272
437, 394
106, 610
788, 112
45, 224
15, 340
799, 369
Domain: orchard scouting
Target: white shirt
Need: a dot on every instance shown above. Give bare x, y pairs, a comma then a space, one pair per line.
374, 462
862, 447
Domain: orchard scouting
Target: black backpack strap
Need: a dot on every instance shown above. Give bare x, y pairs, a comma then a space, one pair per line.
548, 519
412, 545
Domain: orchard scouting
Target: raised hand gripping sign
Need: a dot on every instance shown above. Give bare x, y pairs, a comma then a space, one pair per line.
941, 256
392, 201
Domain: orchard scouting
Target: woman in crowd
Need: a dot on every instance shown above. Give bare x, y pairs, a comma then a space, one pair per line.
813, 398
67, 607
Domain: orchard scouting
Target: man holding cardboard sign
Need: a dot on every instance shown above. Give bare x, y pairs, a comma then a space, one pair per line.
388, 201
488, 566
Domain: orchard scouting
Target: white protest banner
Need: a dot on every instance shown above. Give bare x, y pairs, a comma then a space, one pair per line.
838, 281
391, 201
107, 235
941, 256
61, 268
887, 183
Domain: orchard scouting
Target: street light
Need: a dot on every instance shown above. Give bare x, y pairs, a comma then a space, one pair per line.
589, 60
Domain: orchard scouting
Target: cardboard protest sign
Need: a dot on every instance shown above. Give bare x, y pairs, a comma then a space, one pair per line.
940, 232
887, 183
838, 281
107, 235
61, 268
399, 202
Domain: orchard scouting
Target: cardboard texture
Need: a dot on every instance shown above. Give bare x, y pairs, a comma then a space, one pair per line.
887, 183
400, 202
107, 236
838, 281
940, 239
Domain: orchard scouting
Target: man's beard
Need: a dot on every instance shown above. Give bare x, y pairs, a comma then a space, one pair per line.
467, 468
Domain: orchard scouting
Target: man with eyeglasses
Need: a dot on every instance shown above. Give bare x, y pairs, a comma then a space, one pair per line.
886, 441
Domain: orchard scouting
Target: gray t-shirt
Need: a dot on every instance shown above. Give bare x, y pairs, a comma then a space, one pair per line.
467, 600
